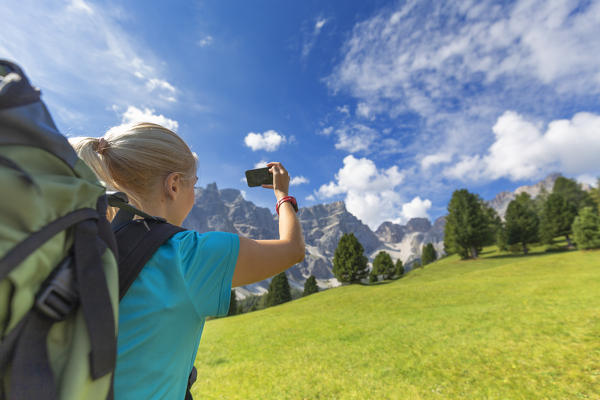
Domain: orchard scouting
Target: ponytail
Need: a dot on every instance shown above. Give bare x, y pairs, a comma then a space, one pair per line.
136, 158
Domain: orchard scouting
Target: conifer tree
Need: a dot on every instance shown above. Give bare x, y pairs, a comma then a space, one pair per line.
586, 229
428, 254
383, 265
595, 195
522, 222
310, 286
233, 305
572, 192
501, 238
373, 277
279, 290
557, 218
468, 225
349, 262
399, 268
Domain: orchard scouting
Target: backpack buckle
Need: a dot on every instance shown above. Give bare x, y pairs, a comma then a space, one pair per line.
59, 298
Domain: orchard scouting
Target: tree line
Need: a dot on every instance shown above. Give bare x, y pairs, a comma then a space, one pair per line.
279, 292
567, 211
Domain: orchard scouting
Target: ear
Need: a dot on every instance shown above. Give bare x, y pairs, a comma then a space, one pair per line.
173, 185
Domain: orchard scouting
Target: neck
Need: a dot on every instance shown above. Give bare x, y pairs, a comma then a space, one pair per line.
160, 209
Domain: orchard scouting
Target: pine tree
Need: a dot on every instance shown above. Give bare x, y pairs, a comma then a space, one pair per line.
557, 218
399, 268
522, 222
233, 305
428, 254
373, 277
310, 286
279, 290
586, 229
349, 262
468, 225
572, 192
383, 265
502, 238
595, 195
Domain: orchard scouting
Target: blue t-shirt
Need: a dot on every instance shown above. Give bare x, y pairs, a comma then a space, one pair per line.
162, 315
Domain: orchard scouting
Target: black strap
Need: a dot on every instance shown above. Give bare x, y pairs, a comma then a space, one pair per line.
115, 201
8, 344
22, 250
192, 378
95, 298
137, 242
31, 375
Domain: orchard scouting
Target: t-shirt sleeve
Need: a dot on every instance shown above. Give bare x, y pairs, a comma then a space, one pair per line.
208, 261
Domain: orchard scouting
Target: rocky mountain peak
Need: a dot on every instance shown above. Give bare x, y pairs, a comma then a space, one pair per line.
418, 225
534, 190
211, 187
390, 232
502, 199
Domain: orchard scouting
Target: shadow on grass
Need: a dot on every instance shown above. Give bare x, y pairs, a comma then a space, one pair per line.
385, 282
530, 254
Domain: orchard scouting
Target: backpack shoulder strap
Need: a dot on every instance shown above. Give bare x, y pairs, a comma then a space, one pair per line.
137, 242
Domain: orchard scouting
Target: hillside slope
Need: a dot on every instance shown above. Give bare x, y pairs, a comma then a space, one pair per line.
500, 327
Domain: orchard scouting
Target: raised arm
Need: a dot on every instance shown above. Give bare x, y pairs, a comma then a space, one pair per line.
261, 259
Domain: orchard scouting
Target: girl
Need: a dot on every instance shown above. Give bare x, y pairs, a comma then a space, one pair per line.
190, 277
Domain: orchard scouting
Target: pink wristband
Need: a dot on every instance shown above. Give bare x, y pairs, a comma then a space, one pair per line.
284, 200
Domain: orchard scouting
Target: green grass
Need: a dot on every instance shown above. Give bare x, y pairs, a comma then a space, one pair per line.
501, 327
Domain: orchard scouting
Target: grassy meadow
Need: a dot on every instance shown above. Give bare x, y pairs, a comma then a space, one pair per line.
501, 327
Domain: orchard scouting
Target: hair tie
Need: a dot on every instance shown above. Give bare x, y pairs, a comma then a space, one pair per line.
102, 146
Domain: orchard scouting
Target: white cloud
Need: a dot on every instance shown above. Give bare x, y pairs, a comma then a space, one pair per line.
155, 83
80, 5
521, 149
427, 51
434, 159
205, 41
298, 180
261, 164
356, 138
454, 67
343, 109
416, 208
134, 114
369, 191
310, 197
326, 131
468, 168
80, 53
319, 25
311, 38
363, 110
268, 141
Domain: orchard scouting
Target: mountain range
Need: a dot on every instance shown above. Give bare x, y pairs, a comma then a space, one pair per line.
323, 225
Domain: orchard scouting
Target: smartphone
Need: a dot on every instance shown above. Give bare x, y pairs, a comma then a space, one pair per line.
259, 176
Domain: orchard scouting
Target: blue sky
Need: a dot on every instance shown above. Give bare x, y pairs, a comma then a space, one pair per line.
387, 105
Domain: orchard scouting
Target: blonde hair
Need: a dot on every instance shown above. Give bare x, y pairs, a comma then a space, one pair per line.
134, 159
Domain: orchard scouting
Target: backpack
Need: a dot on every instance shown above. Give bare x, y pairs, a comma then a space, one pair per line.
63, 267
58, 268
